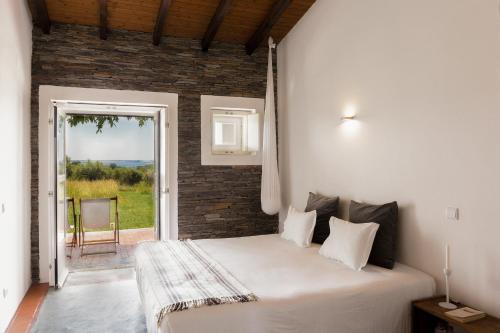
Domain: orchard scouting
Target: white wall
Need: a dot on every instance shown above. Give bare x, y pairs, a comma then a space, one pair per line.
15, 85
425, 77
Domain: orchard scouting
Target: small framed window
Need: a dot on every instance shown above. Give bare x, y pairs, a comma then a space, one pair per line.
235, 131
231, 130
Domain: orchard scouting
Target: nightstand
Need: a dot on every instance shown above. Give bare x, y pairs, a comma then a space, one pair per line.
427, 313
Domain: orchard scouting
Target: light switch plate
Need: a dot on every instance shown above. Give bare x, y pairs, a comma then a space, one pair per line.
452, 213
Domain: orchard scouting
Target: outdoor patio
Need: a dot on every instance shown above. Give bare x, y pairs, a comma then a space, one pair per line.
124, 256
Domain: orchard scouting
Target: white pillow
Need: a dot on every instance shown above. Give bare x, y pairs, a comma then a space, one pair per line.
299, 227
349, 243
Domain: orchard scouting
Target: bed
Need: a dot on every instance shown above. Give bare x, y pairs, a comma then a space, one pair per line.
299, 290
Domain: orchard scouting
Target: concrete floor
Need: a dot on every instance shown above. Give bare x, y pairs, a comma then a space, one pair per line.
93, 301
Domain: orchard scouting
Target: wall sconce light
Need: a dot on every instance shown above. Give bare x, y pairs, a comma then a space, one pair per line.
349, 112
348, 117
349, 124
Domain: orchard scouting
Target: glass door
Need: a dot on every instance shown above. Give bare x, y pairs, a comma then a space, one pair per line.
161, 190
61, 268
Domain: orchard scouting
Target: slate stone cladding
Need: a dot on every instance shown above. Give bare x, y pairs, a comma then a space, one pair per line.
214, 201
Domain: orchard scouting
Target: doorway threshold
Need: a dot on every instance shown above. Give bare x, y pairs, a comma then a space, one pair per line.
123, 258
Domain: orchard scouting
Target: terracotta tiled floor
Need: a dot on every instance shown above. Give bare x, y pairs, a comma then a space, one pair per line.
123, 258
28, 309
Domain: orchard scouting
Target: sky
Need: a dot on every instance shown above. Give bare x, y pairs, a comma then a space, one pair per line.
125, 141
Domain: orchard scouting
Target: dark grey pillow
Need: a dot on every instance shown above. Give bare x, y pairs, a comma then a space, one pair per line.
325, 208
383, 252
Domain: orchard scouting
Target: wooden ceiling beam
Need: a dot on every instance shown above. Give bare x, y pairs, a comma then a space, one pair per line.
265, 27
213, 27
42, 15
103, 19
160, 21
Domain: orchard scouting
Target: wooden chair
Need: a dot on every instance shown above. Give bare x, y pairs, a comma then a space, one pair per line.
95, 214
71, 228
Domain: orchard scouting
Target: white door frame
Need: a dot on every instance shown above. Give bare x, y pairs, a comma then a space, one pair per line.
59, 235
48, 94
160, 115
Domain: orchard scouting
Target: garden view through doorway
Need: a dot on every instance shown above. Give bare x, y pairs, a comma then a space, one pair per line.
109, 157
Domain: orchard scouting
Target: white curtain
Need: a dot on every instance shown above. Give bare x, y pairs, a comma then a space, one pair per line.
270, 194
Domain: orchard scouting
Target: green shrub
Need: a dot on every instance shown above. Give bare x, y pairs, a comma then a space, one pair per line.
87, 171
129, 176
92, 171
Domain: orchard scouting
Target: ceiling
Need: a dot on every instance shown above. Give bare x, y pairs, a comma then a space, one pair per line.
184, 18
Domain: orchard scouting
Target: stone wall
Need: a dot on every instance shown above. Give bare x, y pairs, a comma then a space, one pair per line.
214, 201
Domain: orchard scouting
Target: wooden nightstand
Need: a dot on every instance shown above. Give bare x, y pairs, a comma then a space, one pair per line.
427, 313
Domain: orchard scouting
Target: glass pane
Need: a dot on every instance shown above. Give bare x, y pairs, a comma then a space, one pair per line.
228, 134
218, 136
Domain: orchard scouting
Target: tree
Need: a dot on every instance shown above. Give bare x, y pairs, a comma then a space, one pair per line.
76, 119
69, 167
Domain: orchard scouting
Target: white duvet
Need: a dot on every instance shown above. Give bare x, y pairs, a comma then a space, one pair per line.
301, 291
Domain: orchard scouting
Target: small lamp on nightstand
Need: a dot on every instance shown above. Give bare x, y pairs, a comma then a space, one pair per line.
447, 273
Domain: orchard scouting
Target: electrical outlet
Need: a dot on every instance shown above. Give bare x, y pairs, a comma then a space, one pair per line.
452, 213
5, 292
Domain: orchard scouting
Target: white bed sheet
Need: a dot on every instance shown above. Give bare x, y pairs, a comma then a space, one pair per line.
301, 291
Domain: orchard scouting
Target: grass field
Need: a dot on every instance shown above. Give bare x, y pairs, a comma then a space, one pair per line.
135, 203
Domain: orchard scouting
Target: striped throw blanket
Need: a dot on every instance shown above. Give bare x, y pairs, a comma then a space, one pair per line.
178, 275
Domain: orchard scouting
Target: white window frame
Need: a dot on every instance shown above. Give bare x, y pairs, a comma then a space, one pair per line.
243, 152
245, 133
236, 123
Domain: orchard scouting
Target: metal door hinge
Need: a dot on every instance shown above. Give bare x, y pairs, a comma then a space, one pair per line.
51, 121
51, 193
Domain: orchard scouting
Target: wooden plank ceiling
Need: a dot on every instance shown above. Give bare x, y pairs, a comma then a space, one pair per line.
247, 22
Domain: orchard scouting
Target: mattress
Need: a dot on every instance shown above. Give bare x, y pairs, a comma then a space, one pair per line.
301, 291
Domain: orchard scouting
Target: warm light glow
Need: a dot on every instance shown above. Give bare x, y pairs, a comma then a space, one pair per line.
350, 125
350, 112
